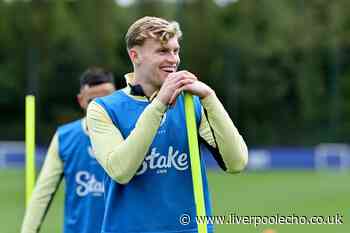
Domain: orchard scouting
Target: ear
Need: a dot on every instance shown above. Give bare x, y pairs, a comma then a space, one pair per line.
80, 100
134, 56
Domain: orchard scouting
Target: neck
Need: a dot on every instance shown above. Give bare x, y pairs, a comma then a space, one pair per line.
147, 87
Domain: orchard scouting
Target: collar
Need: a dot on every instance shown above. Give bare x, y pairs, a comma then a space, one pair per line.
136, 89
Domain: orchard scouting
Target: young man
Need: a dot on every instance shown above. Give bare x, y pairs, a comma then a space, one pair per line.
140, 139
71, 157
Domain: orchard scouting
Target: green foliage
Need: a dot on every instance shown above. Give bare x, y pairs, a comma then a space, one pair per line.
280, 67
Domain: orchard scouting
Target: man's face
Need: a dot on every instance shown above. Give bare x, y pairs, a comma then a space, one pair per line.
157, 60
89, 93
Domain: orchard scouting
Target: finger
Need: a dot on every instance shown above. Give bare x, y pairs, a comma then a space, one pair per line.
173, 104
180, 87
192, 76
188, 74
174, 96
179, 83
183, 82
187, 87
174, 77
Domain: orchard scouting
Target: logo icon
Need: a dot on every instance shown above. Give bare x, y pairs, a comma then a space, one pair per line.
87, 183
161, 163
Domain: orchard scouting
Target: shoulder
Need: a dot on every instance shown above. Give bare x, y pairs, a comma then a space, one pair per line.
70, 125
110, 99
111, 105
74, 127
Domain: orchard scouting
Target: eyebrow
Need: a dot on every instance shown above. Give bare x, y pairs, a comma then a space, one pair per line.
167, 48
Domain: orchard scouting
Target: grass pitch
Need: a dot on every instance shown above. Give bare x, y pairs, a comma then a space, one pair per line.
246, 194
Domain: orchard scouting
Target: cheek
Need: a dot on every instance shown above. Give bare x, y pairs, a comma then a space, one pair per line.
178, 60
151, 63
148, 65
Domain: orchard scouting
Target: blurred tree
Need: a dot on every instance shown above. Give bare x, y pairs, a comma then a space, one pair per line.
280, 67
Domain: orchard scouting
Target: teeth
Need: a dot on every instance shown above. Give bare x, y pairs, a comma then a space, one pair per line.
168, 69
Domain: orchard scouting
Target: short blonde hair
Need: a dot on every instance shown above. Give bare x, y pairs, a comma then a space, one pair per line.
151, 27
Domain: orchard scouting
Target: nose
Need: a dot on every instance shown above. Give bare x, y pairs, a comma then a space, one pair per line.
173, 58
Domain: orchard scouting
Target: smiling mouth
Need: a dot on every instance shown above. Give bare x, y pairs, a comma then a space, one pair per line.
168, 69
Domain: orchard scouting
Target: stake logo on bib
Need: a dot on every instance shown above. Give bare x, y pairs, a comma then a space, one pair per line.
161, 163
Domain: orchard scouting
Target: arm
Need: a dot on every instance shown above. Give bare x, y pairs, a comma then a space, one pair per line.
45, 188
110, 147
219, 132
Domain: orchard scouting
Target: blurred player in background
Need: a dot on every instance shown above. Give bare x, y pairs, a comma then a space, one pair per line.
139, 136
71, 157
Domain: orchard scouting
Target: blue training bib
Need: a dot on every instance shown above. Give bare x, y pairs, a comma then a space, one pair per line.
161, 191
83, 175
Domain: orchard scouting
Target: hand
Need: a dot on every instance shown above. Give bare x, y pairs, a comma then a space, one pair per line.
168, 92
196, 87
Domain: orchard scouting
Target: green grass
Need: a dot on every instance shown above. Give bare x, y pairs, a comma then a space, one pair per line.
260, 193
284, 193
12, 199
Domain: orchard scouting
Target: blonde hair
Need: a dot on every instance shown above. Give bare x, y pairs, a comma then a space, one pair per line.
151, 27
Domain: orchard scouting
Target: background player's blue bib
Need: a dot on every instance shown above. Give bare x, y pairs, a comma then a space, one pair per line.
84, 190
161, 191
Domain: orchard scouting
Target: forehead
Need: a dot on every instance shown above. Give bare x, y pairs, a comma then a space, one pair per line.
98, 90
172, 43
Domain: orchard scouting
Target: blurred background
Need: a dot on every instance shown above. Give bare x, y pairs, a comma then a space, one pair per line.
281, 68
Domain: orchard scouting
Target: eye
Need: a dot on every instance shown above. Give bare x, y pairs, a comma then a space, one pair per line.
163, 50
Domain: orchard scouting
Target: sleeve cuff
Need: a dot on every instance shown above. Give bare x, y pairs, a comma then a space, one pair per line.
159, 106
209, 101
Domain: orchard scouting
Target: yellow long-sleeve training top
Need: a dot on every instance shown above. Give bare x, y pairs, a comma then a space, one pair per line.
216, 128
50, 177
48, 182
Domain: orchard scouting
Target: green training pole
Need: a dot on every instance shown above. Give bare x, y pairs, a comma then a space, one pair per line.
30, 145
195, 160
